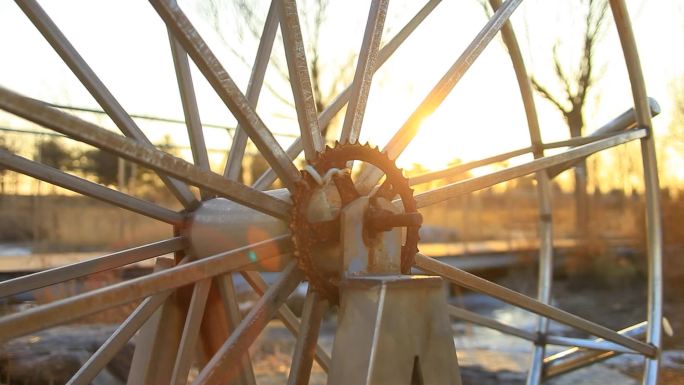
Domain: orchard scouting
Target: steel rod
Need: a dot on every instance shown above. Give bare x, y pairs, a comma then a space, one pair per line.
625, 121
227, 90
224, 364
545, 273
298, 70
233, 167
268, 177
365, 68
474, 184
652, 188
576, 141
371, 175
88, 188
478, 319
106, 352
254, 86
58, 312
462, 168
86, 132
576, 358
587, 344
472, 282
80, 269
234, 317
307, 341
545, 255
286, 315
97, 89
198, 147
191, 331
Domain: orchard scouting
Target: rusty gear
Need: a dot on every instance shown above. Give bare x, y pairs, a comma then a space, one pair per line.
306, 234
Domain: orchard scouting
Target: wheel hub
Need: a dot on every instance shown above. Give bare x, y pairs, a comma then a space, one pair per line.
366, 231
219, 224
336, 231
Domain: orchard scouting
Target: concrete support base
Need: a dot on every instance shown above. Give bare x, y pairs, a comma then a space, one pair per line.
393, 330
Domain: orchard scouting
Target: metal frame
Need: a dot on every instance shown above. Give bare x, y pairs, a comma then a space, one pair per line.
204, 272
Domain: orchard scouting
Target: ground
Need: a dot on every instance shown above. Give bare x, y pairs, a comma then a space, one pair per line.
485, 357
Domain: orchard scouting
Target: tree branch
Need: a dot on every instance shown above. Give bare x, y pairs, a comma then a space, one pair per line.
560, 73
547, 95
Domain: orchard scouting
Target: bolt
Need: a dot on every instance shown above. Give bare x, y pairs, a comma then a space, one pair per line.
384, 220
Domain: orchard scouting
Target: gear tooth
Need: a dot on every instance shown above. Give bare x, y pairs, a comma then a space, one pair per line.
337, 143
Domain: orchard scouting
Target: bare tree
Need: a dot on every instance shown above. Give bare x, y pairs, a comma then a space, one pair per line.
245, 28
575, 84
248, 27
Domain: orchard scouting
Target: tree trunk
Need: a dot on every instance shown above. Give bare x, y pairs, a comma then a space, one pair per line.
582, 202
576, 123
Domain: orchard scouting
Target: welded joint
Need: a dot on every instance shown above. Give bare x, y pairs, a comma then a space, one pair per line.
179, 254
540, 339
537, 149
649, 132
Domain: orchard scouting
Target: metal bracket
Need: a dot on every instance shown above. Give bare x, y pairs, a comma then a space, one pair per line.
379, 342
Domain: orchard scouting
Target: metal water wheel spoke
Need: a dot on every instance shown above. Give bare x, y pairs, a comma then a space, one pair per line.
95, 86
327, 115
256, 80
188, 313
300, 82
405, 134
227, 90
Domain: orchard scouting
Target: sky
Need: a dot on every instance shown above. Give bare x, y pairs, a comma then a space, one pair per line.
127, 46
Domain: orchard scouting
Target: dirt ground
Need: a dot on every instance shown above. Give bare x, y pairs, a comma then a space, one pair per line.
485, 357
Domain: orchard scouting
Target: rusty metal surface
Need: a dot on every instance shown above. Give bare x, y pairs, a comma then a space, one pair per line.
307, 233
